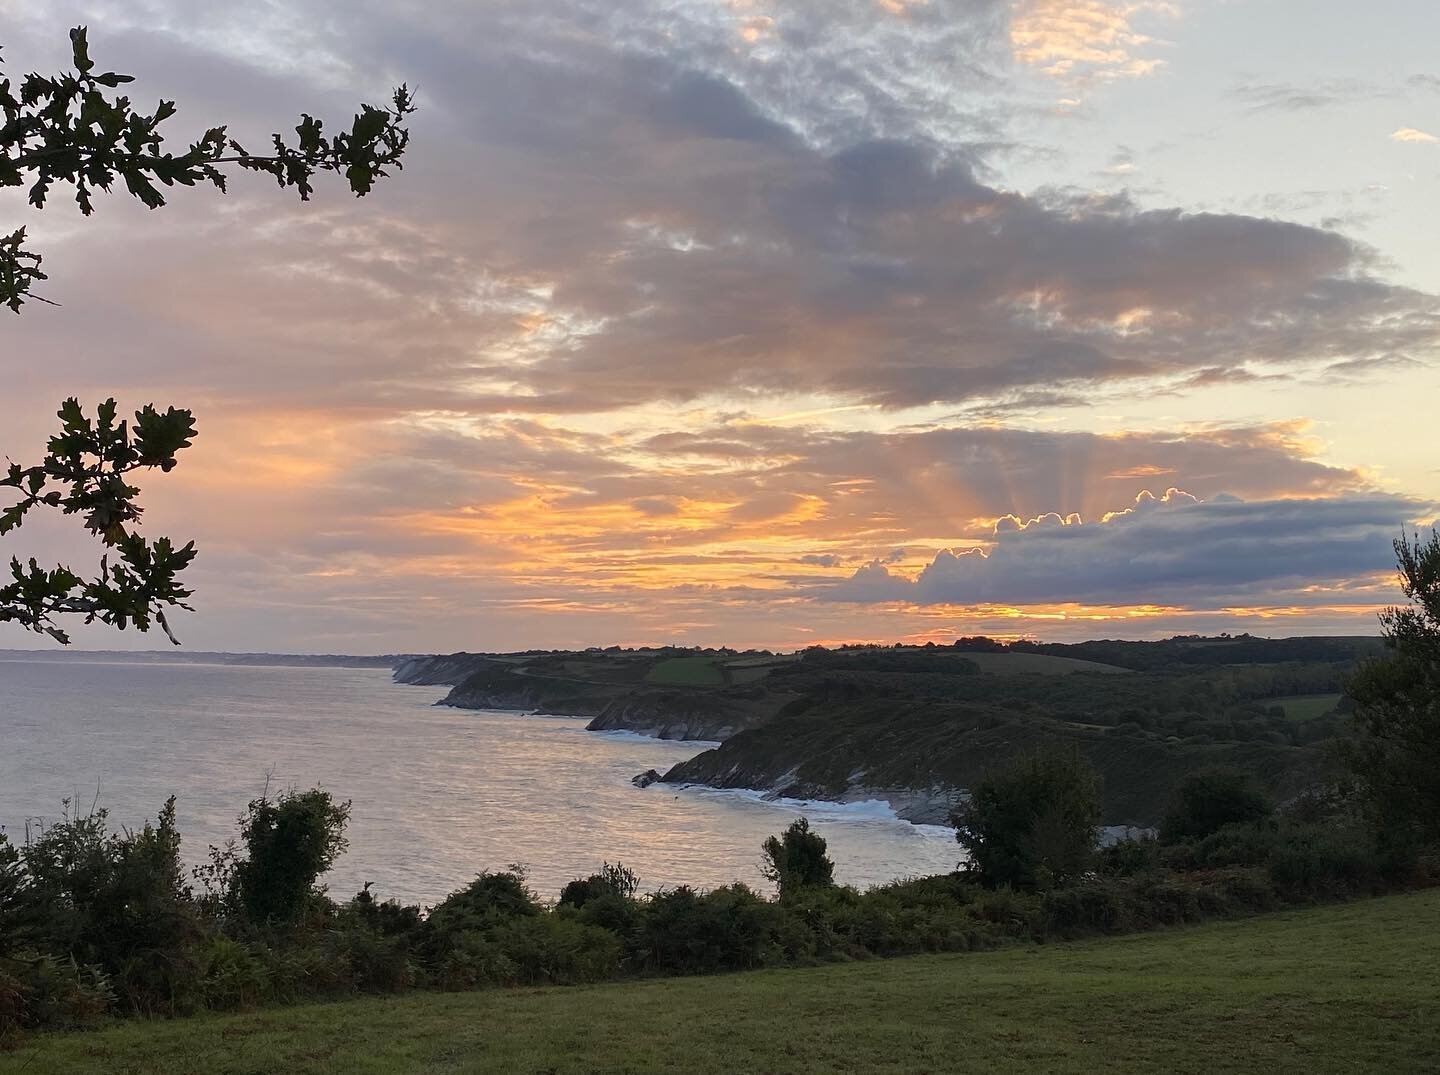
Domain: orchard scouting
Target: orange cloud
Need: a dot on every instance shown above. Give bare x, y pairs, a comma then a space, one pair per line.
1085, 39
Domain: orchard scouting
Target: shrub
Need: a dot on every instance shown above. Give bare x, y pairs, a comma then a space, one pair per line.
1088, 907
685, 932
1129, 857
1033, 825
1233, 845
388, 918
621, 915
232, 976
12, 908
377, 963
1326, 862
289, 842
42, 991
796, 859
1207, 801
117, 901
1017, 912
489, 900
614, 880
558, 951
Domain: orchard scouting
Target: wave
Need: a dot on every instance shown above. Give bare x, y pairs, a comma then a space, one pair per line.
624, 736
822, 809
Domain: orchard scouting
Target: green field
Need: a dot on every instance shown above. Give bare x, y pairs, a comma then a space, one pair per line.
1347, 988
1015, 664
1303, 707
687, 672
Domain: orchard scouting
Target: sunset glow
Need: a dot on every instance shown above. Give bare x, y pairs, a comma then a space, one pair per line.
747, 323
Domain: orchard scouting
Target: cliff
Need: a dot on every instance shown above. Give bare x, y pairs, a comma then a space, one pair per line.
915, 726
682, 714
438, 671
650, 692
920, 756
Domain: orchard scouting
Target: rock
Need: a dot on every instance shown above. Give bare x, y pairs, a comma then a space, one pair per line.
645, 779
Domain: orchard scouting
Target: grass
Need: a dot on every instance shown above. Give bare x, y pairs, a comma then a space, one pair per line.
687, 672
1020, 663
1347, 988
1303, 707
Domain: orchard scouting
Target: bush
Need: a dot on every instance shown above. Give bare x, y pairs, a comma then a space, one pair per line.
377, 963
232, 976
685, 932
1327, 862
1207, 801
1129, 857
796, 859
1232, 845
12, 908
42, 991
548, 950
117, 902
1088, 907
488, 901
616, 880
290, 842
1033, 825
388, 918
621, 915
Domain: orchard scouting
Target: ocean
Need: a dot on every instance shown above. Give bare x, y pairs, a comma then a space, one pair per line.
438, 794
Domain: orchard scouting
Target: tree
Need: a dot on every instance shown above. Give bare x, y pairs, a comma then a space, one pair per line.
289, 843
66, 130
1207, 801
1396, 758
796, 859
1033, 825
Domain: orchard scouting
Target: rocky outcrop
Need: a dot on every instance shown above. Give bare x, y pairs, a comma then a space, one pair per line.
531, 697
928, 805
919, 755
480, 681
441, 670
645, 779
711, 716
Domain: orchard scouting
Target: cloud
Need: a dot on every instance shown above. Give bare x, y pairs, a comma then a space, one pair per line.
1086, 39
1160, 551
529, 387
1293, 97
1410, 134
606, 210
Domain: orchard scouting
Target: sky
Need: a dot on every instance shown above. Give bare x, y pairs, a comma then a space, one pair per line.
766, 322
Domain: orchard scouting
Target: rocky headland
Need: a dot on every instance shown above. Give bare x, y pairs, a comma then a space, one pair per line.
915, 726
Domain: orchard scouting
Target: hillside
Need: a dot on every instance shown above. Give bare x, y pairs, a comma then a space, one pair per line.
1345, 988
917, 725
921, 753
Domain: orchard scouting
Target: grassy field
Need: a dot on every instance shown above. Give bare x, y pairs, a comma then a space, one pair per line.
1349, 988
1015, 664
687, 672
1303, 707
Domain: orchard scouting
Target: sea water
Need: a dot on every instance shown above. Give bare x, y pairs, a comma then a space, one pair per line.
438, 794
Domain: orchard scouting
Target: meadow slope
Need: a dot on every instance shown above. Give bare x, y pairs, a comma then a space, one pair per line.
1343, 988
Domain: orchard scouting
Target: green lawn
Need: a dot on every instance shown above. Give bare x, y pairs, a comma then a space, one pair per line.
687, 672
1348, 988
1303, 707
